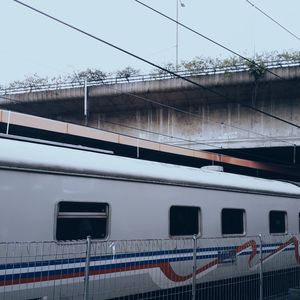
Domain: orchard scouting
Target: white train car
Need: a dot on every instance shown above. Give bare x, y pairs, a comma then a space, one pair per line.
53, 193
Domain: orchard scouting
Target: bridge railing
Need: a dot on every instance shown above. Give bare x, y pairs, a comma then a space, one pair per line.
230, 268
160, 75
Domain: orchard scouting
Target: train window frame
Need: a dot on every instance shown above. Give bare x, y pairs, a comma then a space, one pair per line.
243, 210
199, 223
107, 217
285, 222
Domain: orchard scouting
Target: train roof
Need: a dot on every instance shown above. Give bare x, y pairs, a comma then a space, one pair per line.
49, 158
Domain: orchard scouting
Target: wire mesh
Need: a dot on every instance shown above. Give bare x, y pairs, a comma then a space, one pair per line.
41, 270
225, 268
281, 270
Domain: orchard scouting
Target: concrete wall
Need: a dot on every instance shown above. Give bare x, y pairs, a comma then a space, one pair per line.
208, 126
209, 120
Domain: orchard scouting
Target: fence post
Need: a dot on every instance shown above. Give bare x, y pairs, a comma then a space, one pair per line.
194, 266
87, 268
260, 267
85, 105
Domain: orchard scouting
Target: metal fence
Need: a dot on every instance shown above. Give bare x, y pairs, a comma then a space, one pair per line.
189, 268
31, 87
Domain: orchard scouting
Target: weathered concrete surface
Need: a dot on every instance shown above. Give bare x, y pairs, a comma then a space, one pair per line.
201, 119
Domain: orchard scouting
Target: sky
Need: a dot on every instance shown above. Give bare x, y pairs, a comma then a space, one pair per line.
31, 43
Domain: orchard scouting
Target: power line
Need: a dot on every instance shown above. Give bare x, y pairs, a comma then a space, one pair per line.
228, 49
273, 20
190, 114
187, 140
252, 62
193, 115
196, 115
172, 136
165, 135
149, 62
159, 67
162, 134
175, 109
190, 142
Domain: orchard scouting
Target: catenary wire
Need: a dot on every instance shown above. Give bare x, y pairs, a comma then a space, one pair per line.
191, 142
165, 135
273, 20
162, 134
151, 63
142, 59
173, 108
196, 115
205, 37
190, 114
228, 49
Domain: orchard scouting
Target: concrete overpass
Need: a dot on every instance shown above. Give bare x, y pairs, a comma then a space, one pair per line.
178, 113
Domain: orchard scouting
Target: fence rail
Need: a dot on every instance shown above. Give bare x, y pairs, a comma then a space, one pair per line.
140, 78
260, 267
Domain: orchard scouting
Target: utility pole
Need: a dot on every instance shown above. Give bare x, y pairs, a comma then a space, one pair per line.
177, 9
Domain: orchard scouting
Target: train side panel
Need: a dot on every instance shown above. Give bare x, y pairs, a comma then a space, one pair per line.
136, 210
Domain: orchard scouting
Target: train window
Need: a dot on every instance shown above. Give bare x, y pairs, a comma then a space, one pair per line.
77, 220
184, 220
233, 220
277, 221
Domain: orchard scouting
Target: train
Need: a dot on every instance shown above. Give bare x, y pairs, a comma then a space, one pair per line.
55, 193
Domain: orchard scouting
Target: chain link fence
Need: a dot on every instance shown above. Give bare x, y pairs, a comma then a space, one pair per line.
189, 268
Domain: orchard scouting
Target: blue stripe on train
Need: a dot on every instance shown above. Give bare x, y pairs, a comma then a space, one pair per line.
52, 262
73, 271
105, 257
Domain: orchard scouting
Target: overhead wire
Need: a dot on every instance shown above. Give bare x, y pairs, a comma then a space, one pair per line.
251, 61
162, 134
165, 135
195, 115
273, 20
230, 50
184, 112
146, 99
151, 63
144, 60
192, 142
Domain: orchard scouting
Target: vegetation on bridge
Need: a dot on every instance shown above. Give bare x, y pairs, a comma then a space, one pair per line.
198, 65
